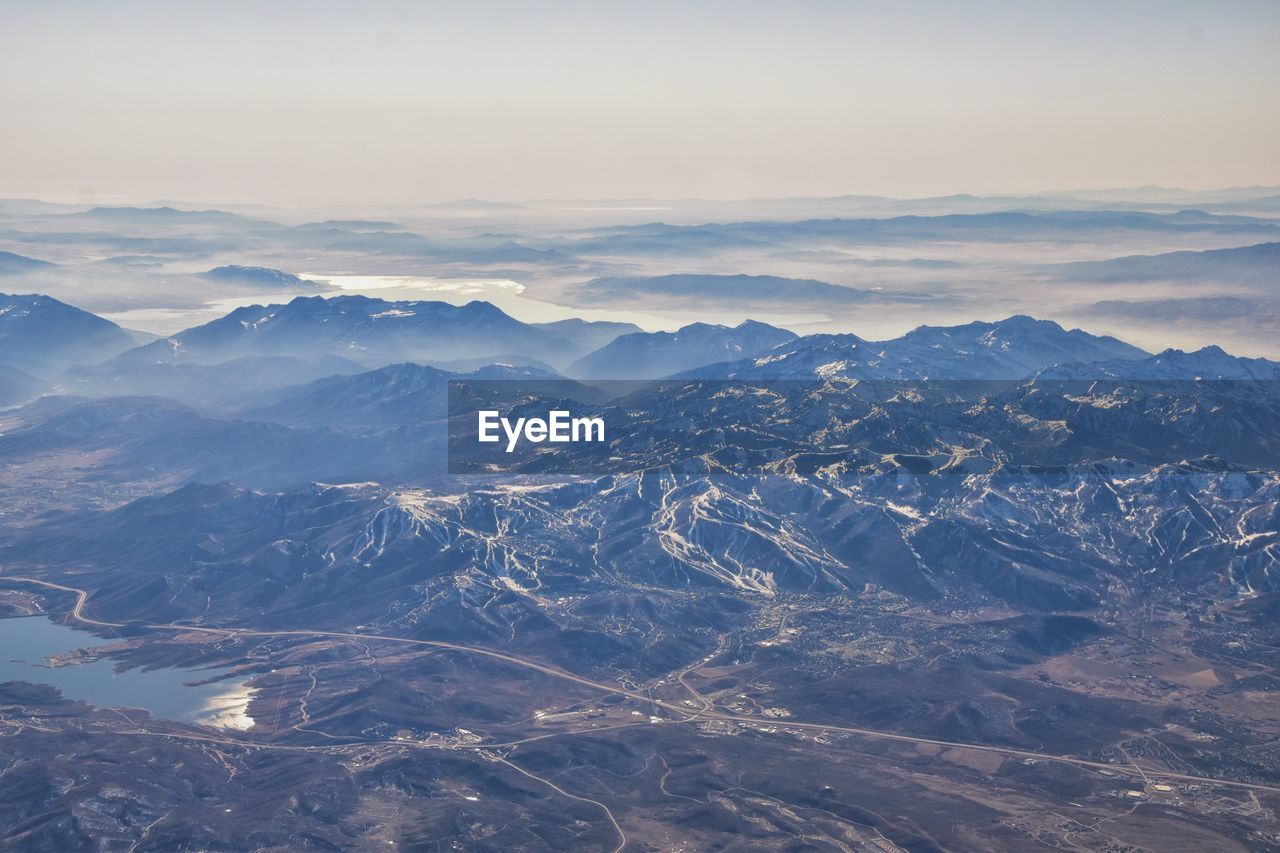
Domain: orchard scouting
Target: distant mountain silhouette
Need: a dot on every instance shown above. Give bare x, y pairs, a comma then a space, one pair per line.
17, 387
369, 331
645, 355
258, 277
741, 290
40, 335
995, 226
1256, 264
11, 264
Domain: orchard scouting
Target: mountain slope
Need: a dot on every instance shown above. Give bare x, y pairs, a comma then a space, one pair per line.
1257, 264
590, 335
391, 395
11, 264
398, 395
39, 334
211, 385
1010, 348
17, 387
646, 355
264, 277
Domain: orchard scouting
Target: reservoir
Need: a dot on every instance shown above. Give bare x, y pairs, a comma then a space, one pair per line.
26, 642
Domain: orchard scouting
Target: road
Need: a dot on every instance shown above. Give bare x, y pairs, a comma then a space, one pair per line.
704, 713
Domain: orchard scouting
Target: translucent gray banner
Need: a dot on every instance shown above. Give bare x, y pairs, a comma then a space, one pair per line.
945, 427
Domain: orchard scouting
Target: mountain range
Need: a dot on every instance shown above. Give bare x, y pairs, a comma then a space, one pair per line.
263, 347
370, 331
1002, 226
1252, 265
1012, 348
743, 290
804, 573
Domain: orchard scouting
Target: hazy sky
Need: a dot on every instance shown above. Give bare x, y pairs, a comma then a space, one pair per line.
313, 103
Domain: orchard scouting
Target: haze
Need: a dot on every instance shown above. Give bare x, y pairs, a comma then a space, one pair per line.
308, 104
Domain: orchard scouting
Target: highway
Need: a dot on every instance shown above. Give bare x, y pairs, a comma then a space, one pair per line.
704, 713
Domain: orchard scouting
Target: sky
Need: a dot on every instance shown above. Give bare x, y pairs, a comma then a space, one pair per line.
300, 104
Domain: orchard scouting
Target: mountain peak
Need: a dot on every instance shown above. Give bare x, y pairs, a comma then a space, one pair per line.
41, 335
481, 308
1026, 321
652, 355
1210, 351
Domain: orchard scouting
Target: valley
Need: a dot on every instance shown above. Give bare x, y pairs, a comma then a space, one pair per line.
721, 702
985, 584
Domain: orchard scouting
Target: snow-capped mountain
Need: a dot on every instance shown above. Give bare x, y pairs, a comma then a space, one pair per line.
1013, 348
1208, 363
1004, 536
652, 355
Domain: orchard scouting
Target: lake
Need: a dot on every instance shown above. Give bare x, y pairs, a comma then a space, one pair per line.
26, 642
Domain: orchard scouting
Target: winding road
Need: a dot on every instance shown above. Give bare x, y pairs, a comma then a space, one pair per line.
704, 713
